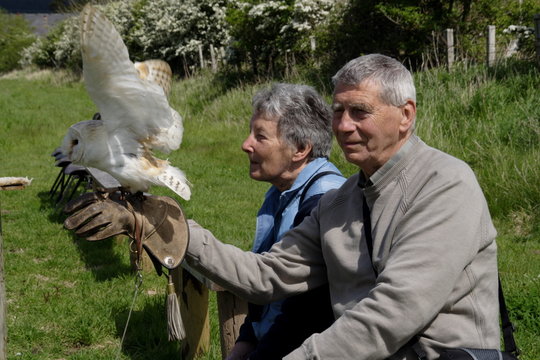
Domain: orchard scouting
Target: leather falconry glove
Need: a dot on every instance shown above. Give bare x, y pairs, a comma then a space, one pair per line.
156, 223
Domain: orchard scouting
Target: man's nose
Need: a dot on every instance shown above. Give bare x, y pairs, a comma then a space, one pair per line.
343, 122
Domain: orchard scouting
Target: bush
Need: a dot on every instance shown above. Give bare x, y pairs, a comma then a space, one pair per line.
170, 30
59, 49
272, 33
173, 30
15, 35
413, 31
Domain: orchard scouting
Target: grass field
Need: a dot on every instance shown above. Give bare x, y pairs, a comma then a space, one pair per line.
69, 299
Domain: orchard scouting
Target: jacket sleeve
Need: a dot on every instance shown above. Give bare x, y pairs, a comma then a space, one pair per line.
287, 269
436, 240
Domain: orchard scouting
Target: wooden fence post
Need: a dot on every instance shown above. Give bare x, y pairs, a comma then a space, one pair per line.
213, 58
537, 34
312, 44
491, 55
6, 184
232, 312
223, 55
193, 298
450, 49
3, 327
201, 58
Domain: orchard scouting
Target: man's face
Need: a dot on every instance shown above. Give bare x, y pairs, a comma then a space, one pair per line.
270, 157
368, 130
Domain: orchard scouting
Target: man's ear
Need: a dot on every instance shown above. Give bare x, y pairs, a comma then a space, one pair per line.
408, 111
302, 152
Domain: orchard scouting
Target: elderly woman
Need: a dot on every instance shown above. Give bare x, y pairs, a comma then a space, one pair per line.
288, 146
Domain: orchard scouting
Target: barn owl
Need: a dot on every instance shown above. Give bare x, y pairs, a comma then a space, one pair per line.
135, 114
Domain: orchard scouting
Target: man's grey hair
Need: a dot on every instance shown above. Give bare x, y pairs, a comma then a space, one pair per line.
395, 81
303, 117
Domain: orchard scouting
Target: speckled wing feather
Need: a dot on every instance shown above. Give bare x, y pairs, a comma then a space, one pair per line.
156, 71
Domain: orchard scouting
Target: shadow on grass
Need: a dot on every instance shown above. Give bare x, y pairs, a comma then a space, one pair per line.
99, 257
146, 335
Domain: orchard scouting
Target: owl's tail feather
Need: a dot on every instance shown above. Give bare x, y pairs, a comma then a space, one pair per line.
174, 179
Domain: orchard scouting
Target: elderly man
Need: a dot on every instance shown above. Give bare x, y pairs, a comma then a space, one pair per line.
406, 245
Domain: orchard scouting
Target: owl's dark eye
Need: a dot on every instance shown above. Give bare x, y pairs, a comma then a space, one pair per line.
74, 142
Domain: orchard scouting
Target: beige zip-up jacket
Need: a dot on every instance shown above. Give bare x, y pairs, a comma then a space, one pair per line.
433, 247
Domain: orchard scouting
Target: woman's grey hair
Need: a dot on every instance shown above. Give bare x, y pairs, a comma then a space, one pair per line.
395, 81
303, 117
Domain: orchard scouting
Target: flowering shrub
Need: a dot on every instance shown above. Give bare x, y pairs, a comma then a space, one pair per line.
173, 30
170, 30
60, 48
267, 31
522, 39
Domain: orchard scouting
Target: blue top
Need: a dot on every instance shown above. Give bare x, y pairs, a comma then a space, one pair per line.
276, 216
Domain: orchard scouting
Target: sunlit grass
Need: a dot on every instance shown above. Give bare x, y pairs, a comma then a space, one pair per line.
68, 298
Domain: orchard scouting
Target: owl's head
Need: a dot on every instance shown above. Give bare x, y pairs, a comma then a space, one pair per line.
79, 138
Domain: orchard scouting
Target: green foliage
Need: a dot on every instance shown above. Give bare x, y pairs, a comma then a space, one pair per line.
273, 37
273, 33
70, 299
59, 49
15, 35
414, 30
171, 30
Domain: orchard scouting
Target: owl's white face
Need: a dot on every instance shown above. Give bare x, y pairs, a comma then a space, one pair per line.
74, 144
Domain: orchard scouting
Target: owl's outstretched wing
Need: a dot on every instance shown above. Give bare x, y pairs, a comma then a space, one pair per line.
156, 71
127, 103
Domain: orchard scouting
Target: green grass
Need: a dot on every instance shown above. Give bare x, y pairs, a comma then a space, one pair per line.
69, 299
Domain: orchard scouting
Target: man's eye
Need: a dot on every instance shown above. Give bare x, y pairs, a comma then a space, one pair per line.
358, 112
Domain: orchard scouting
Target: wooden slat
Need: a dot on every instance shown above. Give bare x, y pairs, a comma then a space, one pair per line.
232, 312
193, 298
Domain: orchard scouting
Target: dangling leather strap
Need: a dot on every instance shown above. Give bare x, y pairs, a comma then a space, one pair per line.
138, 232
367, 231
507, 326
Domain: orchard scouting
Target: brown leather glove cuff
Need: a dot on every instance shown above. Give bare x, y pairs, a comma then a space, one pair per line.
158, 221
166, 230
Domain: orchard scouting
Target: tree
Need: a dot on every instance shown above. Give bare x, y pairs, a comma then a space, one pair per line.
268, 32
412, 31
15, 35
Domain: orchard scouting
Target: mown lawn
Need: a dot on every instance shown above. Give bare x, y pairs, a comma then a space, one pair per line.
69, 299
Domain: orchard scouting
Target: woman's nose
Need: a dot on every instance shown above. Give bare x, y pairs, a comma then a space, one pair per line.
247, 144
